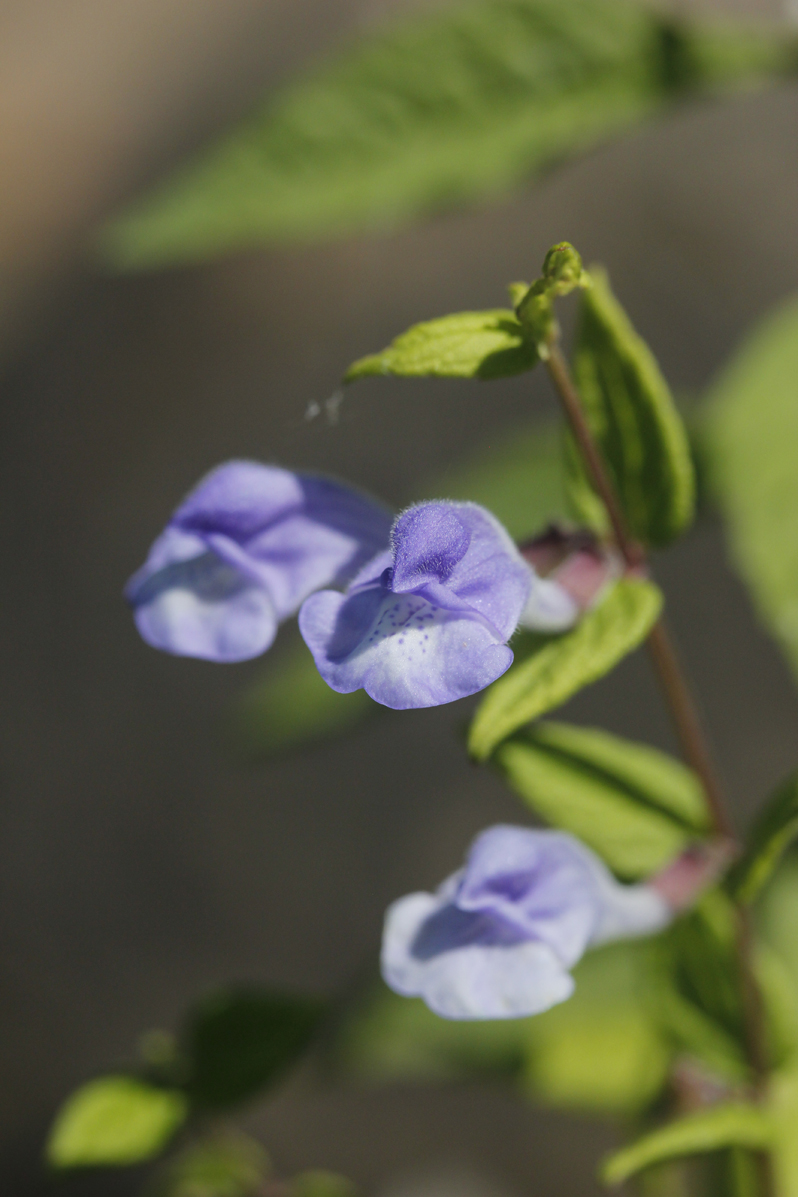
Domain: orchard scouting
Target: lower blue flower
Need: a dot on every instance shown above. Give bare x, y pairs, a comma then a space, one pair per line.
499, 937
427, 621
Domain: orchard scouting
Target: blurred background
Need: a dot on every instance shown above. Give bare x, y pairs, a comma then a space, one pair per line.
144, 859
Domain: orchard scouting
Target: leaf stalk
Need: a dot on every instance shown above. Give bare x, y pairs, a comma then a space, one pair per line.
684, 714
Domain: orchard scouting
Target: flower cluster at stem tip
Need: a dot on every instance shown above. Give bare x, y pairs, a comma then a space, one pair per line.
417, 610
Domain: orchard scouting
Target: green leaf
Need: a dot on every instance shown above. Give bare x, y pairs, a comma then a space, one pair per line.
558, 666
320, 1183
784, 1108
240, 1040
750, 433
697, 993
735, 1125
114, 1121
392, 1038
290, 706
771, 835
229, 1165
440, 109
601, 1051
634, 806
464, 345
633, 417
518, 476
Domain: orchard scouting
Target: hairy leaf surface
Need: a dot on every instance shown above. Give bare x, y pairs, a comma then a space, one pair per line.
463, 345
633, 417
636, 807
553, 668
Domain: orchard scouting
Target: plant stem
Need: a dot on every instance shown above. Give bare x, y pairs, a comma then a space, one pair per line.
671, 676
682, 708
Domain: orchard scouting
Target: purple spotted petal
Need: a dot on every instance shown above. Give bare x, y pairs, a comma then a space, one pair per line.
427, 624
459, 556
498, 938
242, 552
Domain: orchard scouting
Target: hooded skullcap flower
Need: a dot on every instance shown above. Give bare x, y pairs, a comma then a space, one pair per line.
240, 554
428, 620
499, 937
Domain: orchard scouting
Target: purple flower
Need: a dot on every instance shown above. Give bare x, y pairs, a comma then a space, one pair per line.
499, 937
572, 571
428, 620
240, 554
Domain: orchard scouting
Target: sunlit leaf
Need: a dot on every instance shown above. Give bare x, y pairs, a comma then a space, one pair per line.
463, 345
636, 807
735, 1125
634, 420
556, 667
750, 437
240, 1040
441, 109
772, 833
114, 1121
290, 706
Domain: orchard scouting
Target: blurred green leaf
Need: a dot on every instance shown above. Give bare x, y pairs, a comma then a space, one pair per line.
634, 806
776, 915
601, 1051
319, 1183
114, 1121
697, 993
393, 1038
784, 1110
240, 1040
633, 417
734, 1125
771, 834
463, 345
518, 475
443, 108
750, 436
553, 668
229, 1165
290, 706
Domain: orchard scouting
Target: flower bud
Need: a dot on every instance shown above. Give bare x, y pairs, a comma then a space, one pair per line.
572, 570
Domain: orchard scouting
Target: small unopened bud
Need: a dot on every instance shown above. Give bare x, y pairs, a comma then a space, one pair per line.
562, 269
572, 569
682, 882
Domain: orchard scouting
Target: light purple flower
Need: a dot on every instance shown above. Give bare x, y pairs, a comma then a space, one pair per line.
427, 621
499, 937
242, 551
